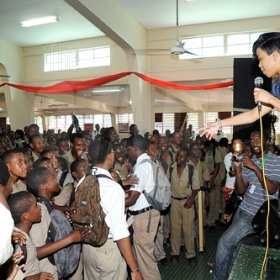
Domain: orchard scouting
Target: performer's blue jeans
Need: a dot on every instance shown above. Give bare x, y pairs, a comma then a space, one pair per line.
229, 243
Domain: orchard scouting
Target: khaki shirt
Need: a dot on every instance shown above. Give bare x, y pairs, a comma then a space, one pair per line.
19, 186
180, 186
202, 171
121, 169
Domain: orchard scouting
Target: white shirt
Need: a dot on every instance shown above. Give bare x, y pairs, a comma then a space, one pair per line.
6, 229
230, 179
144, 172
113, 204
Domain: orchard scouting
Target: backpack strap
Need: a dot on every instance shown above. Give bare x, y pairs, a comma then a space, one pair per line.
191, 171
62, 178
170, 172
51, 231
104, 176
46, 202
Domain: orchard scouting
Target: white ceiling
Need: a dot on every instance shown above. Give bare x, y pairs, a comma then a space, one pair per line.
150, 13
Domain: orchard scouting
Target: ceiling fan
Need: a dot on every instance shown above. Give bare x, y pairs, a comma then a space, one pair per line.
177, 49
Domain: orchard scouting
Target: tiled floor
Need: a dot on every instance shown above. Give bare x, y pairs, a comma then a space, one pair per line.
183, 270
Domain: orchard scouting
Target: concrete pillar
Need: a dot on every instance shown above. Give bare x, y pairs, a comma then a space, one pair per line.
44, 123
142, 104
20, 107
201, 121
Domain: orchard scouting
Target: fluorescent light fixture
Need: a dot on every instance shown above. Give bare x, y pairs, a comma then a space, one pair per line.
107, 89
39, 21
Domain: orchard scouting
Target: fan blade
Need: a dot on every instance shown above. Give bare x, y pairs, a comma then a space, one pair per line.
153, 54
150, 50
191, 53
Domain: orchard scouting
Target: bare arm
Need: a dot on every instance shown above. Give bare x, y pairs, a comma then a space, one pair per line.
251, 116
131, 198
246, 117
48, 249
240, 185
272, 186
127, 253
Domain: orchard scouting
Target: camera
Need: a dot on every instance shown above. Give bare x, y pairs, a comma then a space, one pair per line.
237, 151
238, 158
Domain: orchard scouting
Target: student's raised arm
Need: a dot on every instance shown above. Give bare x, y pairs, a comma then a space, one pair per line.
75, 236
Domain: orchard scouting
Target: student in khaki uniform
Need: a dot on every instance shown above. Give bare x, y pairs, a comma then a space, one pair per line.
176, 142
203, 172
214, 161
182, 211
17, 168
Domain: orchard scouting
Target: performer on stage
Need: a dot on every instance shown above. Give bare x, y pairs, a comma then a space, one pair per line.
250, 184
267, 50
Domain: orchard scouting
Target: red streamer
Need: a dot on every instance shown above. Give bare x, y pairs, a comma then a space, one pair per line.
76, 86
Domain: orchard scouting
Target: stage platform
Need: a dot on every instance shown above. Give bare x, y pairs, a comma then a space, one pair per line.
248, 264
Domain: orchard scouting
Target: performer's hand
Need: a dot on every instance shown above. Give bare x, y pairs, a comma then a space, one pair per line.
209, 130
262, 96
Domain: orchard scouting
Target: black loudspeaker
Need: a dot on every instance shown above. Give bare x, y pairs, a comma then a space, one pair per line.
245, 72
259, 223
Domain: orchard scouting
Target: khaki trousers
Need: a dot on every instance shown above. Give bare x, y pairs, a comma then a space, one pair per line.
182, 220
104, 263
143, 243
159, 250
214, 205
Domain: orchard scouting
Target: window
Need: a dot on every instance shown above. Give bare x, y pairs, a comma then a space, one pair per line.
204, 46
219, 45
241, 43
124, 122
63, 122
167, 123
211, 117
74, 59
193, 120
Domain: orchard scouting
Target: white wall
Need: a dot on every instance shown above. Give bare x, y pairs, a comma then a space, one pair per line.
26, 65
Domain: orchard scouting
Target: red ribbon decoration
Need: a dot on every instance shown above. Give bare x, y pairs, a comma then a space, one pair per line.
76, 86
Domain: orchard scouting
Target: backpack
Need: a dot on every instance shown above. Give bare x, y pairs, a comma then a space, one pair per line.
191, 171
89, 212
160, 196
66, 259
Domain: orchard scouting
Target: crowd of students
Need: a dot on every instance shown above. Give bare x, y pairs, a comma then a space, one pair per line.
51, 166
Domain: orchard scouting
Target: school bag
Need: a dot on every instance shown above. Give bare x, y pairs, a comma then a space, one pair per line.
160, 196
66, 259
89, 213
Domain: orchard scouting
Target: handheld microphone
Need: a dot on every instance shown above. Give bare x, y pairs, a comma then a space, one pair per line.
258, 84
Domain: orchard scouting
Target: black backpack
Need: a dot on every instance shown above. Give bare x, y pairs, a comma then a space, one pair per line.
66, 259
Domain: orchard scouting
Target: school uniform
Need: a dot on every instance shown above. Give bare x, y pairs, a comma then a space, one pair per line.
106, 262
145, 221
39, 234
181, 218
